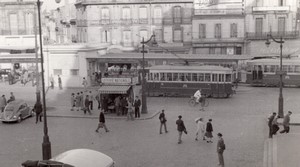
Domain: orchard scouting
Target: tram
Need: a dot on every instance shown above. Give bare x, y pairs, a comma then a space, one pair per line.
263, 72
185, 80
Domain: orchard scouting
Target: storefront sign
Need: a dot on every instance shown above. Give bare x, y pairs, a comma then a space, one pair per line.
117, 81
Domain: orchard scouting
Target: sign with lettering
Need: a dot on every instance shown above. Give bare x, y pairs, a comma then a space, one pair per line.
117, 81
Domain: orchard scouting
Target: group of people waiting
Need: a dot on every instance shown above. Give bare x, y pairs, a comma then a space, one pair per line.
4, 102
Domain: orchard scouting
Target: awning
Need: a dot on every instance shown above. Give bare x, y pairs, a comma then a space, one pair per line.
114, 89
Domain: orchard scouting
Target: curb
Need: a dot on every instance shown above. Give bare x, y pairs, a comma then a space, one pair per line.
96, 117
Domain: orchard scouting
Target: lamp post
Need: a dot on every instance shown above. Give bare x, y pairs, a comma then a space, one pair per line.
46, 145
144, 99
280, 73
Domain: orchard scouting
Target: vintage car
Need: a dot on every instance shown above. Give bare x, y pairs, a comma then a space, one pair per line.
84, 158
16, 111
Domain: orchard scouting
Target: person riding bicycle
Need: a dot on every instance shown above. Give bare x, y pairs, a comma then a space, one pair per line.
198, 96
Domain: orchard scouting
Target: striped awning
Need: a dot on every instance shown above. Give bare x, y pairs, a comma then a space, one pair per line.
114, 89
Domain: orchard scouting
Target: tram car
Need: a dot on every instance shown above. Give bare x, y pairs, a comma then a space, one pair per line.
264, 72
185, 80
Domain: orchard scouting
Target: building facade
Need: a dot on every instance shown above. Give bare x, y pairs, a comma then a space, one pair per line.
125, 23
218, 27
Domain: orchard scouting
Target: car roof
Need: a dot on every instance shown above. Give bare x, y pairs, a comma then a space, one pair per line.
16, 102
84, 158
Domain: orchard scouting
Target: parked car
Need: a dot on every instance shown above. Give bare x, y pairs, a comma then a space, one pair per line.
84, 158
16, 111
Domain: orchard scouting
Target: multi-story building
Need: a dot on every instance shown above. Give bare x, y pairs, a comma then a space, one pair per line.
125, 23
218, 27
277, 17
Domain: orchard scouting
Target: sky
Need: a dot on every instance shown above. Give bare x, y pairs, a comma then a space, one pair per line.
51, 4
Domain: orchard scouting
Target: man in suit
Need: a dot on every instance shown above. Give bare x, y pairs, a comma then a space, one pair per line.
163, 121
220, 149
137, 104
271, 118
181, 128
286, 123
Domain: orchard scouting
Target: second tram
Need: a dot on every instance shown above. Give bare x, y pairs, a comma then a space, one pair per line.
185, 80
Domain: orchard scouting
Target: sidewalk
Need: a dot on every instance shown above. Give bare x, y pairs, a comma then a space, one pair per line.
58, 100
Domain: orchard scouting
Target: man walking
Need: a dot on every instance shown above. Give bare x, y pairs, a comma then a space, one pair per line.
180, 128
200, 128
286, 123
137, 104
59, 82
101, 123
38, 108
220, 149
98, 98
163, 121
209, 130
270, 120
84, 83
2, 103
91, 99
86, 105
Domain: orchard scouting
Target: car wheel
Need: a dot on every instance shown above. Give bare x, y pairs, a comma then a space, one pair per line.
19, 119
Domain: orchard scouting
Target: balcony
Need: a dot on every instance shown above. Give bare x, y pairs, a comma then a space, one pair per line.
157, 21
270, 8
263, 35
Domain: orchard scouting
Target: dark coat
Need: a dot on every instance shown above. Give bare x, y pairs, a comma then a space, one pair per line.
101, 118
137, 103
38, 108
124, 102
220, 146
86, 102
271, 118
180, 125
209, 127
162, 118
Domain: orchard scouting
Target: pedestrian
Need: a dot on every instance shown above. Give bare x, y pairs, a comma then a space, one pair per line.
163, 121
123, 105
200, 128
78, 101
82, 100
2, 103
11, 98
101, 123
38, 109
51, 81
220, 149
129, 110
137, 104
86, 105
59, 82
84, 83
209, 130
105, 104
98, 99
270, 120
73, 101
275, 126
180, 128
91, 99
117, 105
286, 123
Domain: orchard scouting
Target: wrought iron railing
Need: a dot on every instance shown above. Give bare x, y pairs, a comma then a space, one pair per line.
263, 35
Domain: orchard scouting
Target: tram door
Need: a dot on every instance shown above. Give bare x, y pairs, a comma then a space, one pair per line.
257, 73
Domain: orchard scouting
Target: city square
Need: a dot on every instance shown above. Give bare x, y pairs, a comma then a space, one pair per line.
242, 119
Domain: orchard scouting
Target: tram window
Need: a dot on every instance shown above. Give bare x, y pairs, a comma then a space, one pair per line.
297, 69
207, 77
181, 76
291, 68
221, 77
162, 77
228, 78
175, 77
151, 77
266, 68
187, 77
272, 68
214, 77
201, 77
249, 68
156, 76
285, 68
169, 76
194, 77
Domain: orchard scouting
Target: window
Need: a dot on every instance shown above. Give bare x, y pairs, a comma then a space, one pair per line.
211, 51
201, 77
177, 14
105, 36
214, 77
162, 77
207, 77
194, 77
218, 31
126, 13
221, 78
272, 68
233, 30
127, 37
169, 76
238, 50
29, 23
105, 14
281, 2
157, 15
281, 25
228, 78
13, 23
57, 71
259, 2
202, 31
258, 26
158, 35
297, 69
177, 35
187, 77
143, 13
143, 33
175, 77
74, 72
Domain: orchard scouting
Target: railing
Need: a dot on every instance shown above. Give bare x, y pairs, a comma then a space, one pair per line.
263, 35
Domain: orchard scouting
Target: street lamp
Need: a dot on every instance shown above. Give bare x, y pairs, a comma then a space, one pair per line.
46, 145
144, 100
280, 73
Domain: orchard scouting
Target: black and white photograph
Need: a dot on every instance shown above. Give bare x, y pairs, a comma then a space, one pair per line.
149, 83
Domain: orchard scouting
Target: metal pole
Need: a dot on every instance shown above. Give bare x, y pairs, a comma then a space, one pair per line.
280, 99
144, 100
38, 92
46, 142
